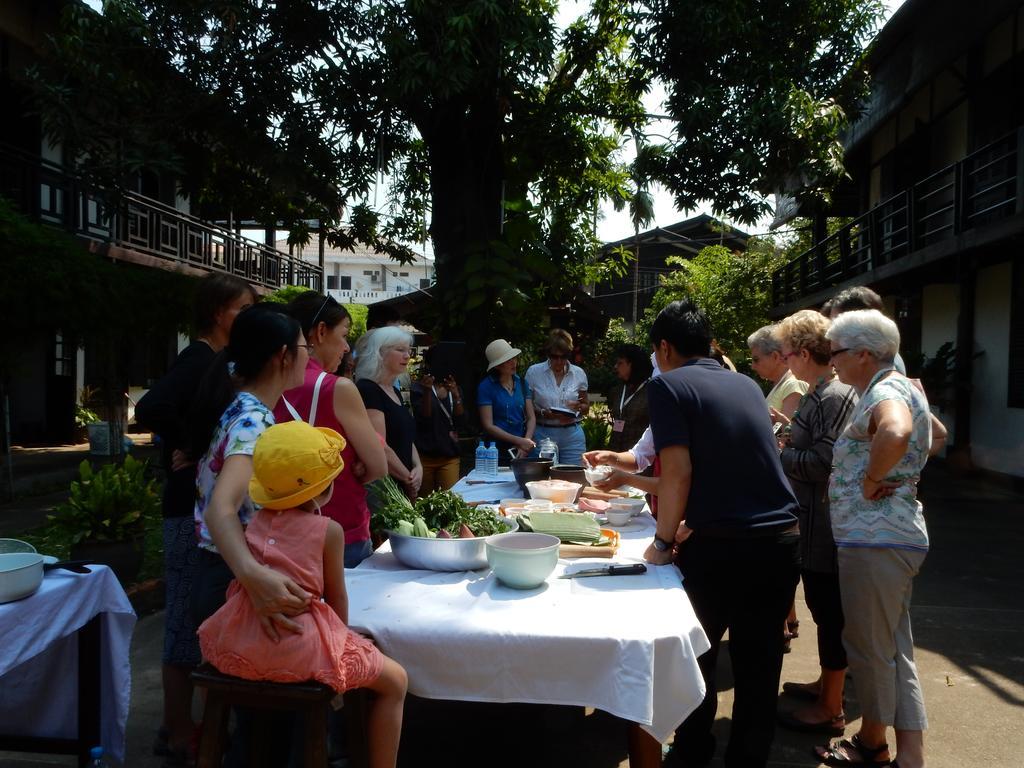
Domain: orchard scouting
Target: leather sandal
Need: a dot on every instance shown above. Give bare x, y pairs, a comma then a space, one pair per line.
801, 690
833, 726
793, 627
834, 757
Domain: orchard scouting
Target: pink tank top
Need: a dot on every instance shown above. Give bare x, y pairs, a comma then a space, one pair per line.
348, 505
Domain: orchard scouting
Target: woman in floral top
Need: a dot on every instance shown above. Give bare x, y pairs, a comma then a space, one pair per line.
266, 355
880, 533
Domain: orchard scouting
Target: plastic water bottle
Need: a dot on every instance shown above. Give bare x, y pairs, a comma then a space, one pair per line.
480, 465
548, 449
492, 459
96, 758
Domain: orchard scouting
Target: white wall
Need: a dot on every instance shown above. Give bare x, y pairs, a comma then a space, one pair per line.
997, 432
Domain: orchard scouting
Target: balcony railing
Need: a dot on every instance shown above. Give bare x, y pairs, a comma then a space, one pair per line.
984, 187
45, 192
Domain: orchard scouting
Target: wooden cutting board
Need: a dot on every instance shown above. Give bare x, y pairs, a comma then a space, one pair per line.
582, 550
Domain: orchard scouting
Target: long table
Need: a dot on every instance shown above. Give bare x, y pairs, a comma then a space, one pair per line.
65, 678
627, 645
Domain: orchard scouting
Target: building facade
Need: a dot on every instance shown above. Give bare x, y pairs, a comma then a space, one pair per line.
152, 227
363, 276
628, 296
935, 204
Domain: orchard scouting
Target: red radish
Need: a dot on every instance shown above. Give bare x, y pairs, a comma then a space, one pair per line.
465, 533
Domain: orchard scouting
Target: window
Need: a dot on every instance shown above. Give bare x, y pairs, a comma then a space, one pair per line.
63, 357
424, 283
332, 282
1015, 382
345, 283
403, 274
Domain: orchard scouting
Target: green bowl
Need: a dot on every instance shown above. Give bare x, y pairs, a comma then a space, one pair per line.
522, 560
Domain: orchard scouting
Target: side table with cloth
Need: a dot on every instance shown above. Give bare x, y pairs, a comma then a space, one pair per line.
40, 667
627, 645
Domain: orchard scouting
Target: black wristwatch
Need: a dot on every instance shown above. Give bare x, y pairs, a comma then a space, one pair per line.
661, 545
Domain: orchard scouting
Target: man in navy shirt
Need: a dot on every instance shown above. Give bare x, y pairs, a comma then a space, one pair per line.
737, 549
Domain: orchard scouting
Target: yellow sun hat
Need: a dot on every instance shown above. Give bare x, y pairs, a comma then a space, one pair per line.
293, 463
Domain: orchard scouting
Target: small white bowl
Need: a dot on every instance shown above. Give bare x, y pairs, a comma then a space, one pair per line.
598, 473
633, 506
617, 517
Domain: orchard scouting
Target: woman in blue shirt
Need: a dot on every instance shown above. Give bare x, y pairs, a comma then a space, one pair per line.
505, 402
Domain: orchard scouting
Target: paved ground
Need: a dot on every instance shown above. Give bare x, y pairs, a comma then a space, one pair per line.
969, 631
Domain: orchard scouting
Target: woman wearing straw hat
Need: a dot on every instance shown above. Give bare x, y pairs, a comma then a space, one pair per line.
505, 402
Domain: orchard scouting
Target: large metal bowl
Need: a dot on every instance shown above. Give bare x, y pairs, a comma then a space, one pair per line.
443, 554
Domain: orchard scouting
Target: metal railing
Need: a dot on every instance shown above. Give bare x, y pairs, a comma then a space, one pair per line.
45, 192
984, 187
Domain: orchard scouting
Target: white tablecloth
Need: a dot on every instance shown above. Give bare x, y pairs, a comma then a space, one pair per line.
39, 657
627, 645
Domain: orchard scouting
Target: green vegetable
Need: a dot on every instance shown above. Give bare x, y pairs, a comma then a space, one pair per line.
405, 528
419, 528
390, 506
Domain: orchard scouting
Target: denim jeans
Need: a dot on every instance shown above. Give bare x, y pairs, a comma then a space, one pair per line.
571, 442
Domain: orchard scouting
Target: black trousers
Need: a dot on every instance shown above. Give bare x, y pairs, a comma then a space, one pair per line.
745, 586
822, 593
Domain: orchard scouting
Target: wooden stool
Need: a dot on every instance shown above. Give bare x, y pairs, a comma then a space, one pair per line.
309, 700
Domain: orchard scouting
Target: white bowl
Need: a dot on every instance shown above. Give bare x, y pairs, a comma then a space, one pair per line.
598, 473
633, 506
522, 560
617, 517
21, 573
558, 491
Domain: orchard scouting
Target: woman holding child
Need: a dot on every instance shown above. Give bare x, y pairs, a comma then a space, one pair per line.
326, 400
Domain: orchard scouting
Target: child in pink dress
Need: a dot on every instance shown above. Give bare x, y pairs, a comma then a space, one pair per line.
294, 466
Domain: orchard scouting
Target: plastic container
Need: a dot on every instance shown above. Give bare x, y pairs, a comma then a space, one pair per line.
548, 449
480, 464
492, 459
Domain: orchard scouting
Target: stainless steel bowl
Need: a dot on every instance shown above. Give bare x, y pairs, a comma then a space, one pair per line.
443, 554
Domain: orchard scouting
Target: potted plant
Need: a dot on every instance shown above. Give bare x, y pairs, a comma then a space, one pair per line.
104, 517
85, 413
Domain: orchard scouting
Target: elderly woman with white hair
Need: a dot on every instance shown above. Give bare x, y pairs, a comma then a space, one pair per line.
881, 538
768, 362
382, 355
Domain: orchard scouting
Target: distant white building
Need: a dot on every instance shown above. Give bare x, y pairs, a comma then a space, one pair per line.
364, 276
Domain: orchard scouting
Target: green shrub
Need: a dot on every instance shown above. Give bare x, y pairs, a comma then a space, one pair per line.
108, 505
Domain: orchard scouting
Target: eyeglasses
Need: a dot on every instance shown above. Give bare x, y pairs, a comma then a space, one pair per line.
309, 347
787, 355
835, 352
401, 350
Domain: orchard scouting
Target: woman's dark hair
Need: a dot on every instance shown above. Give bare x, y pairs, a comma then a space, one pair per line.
640, 368
214, 293
856, 297
311, 308
685, 326
258, 334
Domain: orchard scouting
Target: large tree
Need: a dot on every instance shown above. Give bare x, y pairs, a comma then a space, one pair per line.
496, 132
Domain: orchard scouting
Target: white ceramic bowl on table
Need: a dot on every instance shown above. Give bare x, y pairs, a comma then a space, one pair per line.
443, 554
556, 491
633, 506
617, 517
21, 573
522, 560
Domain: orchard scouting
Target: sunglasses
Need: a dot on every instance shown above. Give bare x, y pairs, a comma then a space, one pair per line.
835, 352
327, 301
